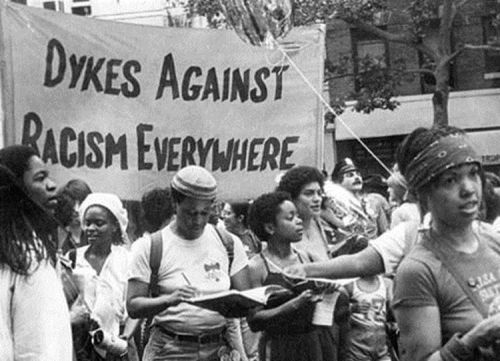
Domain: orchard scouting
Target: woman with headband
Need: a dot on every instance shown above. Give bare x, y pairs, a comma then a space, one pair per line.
447, 295
385, 253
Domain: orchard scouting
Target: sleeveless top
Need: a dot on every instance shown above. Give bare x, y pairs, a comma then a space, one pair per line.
296, 322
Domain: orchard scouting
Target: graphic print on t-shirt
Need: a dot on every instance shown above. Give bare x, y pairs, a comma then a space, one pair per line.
213, 271
487, 286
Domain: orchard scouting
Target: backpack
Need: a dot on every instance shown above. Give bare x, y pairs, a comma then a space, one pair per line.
139, 335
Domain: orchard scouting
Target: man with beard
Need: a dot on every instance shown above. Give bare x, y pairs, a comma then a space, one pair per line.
356, 215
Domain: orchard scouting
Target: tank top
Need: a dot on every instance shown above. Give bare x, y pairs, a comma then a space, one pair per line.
299, 321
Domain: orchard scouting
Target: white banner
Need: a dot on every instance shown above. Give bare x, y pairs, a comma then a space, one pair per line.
125, 106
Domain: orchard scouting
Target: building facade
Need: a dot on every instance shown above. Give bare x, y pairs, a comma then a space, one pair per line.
474, 102
147, 12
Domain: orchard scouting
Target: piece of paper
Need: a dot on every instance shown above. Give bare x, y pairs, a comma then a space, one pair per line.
323, 312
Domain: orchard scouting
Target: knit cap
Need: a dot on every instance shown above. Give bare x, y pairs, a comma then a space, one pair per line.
195, 182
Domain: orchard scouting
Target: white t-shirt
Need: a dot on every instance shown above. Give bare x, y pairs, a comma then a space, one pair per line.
105, 293
496, 225
34, 317
204, 261
396, 243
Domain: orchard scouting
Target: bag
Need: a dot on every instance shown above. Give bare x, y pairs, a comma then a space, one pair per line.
70, 288
137, 331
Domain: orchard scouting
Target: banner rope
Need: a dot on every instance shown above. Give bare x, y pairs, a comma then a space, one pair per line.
328, 106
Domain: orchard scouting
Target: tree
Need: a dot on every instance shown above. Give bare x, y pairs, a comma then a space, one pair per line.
377, 84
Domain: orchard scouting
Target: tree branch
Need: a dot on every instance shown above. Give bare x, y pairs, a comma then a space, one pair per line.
449, 11
421, 71
452, 56
461, 3
481, 47
404, 38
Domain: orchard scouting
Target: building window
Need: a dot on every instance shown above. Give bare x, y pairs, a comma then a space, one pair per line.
19, 1
367, 46
491, 36
51, 5
81, 10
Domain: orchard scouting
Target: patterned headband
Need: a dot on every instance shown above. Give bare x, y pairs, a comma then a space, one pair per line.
443, 154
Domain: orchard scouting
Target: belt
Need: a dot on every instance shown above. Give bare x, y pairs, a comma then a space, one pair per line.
203, 338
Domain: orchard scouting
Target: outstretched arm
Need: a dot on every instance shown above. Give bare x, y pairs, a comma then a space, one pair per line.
368, 262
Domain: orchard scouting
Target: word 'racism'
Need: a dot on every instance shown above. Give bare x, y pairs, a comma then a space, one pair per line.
122, 77
95, 150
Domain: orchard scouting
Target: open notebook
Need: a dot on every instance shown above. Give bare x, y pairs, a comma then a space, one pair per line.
231, 302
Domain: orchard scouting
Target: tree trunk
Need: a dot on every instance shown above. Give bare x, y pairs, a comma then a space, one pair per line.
441, 94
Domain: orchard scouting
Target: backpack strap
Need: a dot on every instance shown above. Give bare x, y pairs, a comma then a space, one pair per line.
154, 262
228, 242
453, 269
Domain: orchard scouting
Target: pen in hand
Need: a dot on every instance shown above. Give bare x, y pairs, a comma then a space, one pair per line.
188, 282
185, 278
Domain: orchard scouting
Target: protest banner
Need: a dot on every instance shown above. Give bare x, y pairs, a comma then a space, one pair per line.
125, 106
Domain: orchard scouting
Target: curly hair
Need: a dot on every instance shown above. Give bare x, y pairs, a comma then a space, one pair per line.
296, 178
264, 210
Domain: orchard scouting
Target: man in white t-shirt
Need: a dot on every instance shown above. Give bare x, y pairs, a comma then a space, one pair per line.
195, 260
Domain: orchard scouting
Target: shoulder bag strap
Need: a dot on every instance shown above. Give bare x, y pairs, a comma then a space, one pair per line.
457, 275
154, 262
228, 242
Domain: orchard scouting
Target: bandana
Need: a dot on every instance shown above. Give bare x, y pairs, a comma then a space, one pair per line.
443, 154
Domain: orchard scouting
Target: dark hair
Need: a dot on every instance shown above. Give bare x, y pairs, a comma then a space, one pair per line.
491, 200
77, 189
64, 209
16, 159
157, 206
73, 192
375, 183
264, 210
296, 178
240, 209
26, 229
